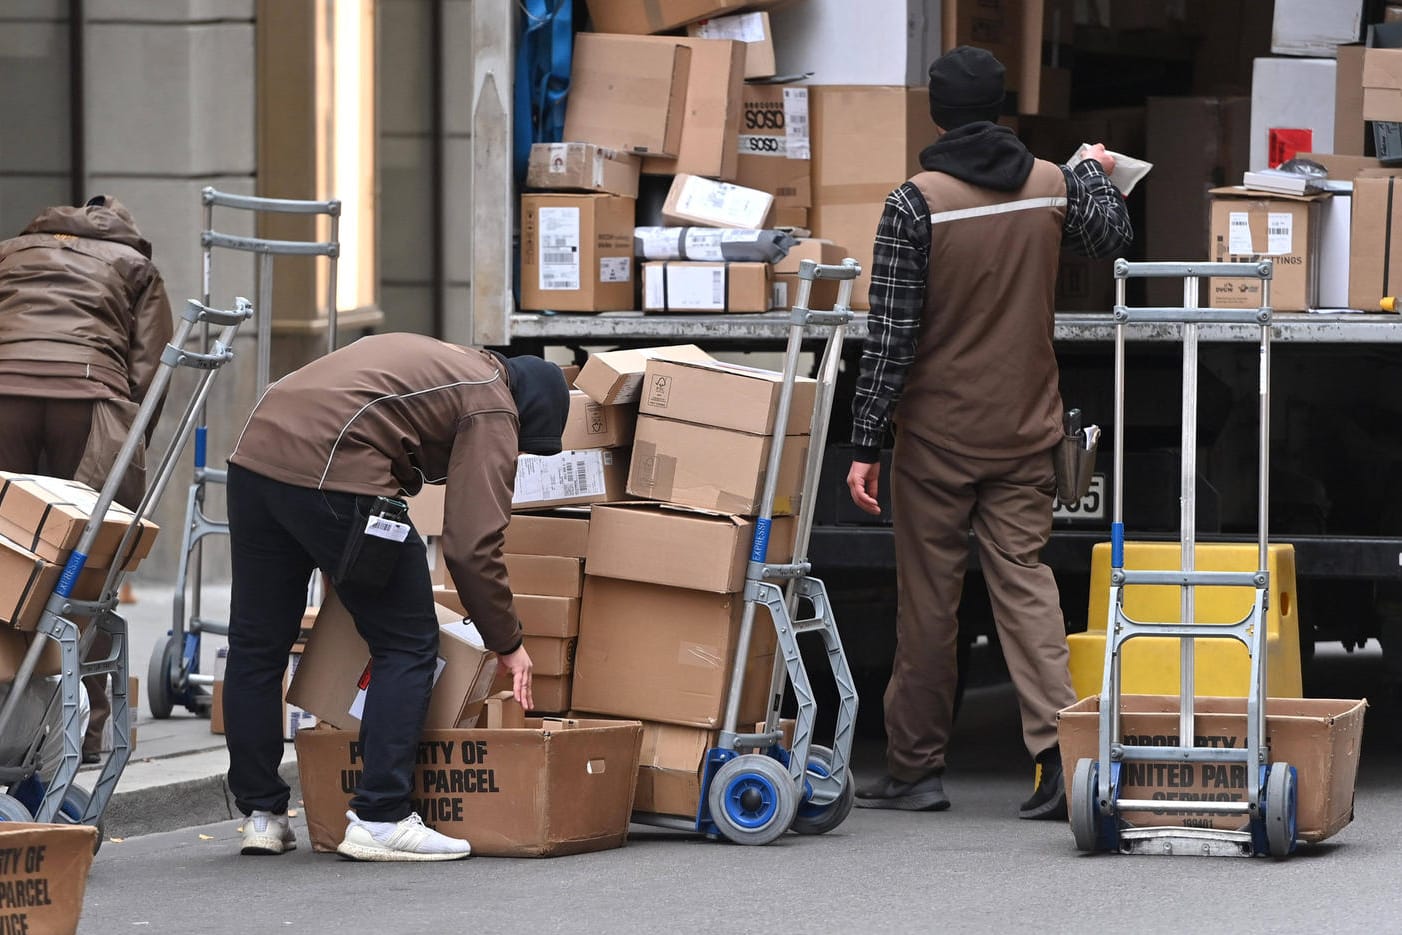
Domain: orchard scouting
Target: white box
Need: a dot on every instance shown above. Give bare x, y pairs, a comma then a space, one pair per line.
1315, 27
694, 199
1336, 218
1294, 93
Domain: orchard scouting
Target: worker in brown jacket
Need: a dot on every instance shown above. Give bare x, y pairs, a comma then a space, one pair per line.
325, 452
83, 321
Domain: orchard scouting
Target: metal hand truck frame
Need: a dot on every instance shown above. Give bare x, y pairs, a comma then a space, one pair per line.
59, 799
753, 789
173, 675
1270, 811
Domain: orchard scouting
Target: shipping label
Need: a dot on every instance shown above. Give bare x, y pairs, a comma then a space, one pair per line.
615, 269
1239, 233
565, 476
746, 27
559, 249
1279, 236
796, 123
696, 287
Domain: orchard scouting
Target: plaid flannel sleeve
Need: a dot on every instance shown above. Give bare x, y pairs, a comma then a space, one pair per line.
1097, 221
899, 274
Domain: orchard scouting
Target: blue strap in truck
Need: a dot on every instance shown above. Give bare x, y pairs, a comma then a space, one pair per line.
543, 64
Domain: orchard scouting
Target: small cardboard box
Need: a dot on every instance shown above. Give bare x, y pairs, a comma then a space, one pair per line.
696, 200
571, 477
666, 654
725, 396
426, 509
714, 469
47, 516
685, 286
551, 657
775, 151
551, 693
1350, 130
679, 546
750, 28
1382, 84
591, 425
26, 583
1320, 737
547, 615
640, 19
335, 671
1374, 267
1249, 225
503, 712
628, 93
823, 295
711, 129
548, 575
565, 533
583, 167
670, 767
577, 252
45, 875
216, 705
553, 788
613, 377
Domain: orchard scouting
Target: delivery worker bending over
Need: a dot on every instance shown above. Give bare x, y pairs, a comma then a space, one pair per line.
961, 337
322, 449
83, 321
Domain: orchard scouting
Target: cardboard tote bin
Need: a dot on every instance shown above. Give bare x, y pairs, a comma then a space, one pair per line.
1320, 737
44, 875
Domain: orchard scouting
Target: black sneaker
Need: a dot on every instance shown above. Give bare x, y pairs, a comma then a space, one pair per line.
1048, 800
886, 791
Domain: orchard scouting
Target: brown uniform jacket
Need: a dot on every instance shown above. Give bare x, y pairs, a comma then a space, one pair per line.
390, 413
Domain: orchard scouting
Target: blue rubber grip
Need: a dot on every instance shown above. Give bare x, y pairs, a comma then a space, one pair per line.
761, 547
200, 434
1117, 545
71, 571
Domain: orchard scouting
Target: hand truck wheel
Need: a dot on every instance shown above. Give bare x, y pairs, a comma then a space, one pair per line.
161, 676
12, 809
820, 819
1092, 830
71, 811
752, 799
1281, 809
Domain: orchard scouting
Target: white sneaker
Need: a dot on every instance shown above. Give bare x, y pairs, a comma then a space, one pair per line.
266, 833
409, 839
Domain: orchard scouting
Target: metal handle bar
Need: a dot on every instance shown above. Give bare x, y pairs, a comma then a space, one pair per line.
1260, 269
263, 245
811, 270
210, 196
199, 313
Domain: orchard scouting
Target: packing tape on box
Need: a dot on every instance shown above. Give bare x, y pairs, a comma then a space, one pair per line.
738, 504
659, 472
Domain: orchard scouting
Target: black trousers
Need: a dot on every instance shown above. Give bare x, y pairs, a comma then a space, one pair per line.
279, 534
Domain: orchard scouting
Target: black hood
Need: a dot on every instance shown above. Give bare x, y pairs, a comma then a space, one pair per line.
982, 154
542, 403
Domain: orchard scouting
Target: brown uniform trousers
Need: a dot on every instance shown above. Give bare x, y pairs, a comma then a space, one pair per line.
937, 497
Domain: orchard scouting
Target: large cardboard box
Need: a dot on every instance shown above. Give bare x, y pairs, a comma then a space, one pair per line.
1292, 108
553, 788
628, 93
1319, 737
1350, 131
583, 167
710, 468
670, 767
823, 295
679, 546
591, 425
630, 16
26, 583
1375, 261
725, 396
596, 475
666, 654
866, 142
562, 533
1382, 85
690, 286
1250, 225
614, 377
693, 199
47, 516
335, 671
709, 143
577, 252
44, 875
548, 575
750, 28
776, 154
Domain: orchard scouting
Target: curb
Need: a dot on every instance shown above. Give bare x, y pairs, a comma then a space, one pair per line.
180, 804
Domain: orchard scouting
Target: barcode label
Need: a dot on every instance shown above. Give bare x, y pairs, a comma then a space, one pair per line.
569, 475
796, 136
1239, 233
1280, 238
559, 248
382, 528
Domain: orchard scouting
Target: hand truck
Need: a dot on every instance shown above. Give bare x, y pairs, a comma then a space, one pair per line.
753, 789
30, 795
173, 674
1269, 814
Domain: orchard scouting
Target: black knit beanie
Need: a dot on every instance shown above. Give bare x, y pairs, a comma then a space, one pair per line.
542, 403
966, 86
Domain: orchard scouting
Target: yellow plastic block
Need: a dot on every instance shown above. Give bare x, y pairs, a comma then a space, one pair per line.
1221, 667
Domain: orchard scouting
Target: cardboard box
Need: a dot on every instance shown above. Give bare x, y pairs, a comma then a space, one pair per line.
669, 769
710, 131
426, 509
549, 575
547, 615
583, 167
547, 534
551, 657
216, 705
577, 252
666, 654
1375, 263
1012, 31
46, 875
725, 396
866, 142
1292, 108
1382, 84
1315, 27
503, 712
630, 16
628, 93
823, 295
26, 583
335, 671
294, 717
553, 788
1335, 228
47, 516
1350, 131
1251, 225
1319, 737
571, 477
613, 377
679, 546
687, 286
696, 200
793, 219
714, 469
591, 425
750, 28
551, 693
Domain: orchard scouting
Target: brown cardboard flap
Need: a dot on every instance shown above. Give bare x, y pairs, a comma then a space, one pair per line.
1241, 191
46, 875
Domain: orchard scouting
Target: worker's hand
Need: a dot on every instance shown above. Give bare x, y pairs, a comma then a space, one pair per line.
519, 665
1098, 153
863, 481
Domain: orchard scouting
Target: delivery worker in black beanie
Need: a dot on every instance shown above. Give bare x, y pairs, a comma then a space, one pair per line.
959, 358
312, 484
